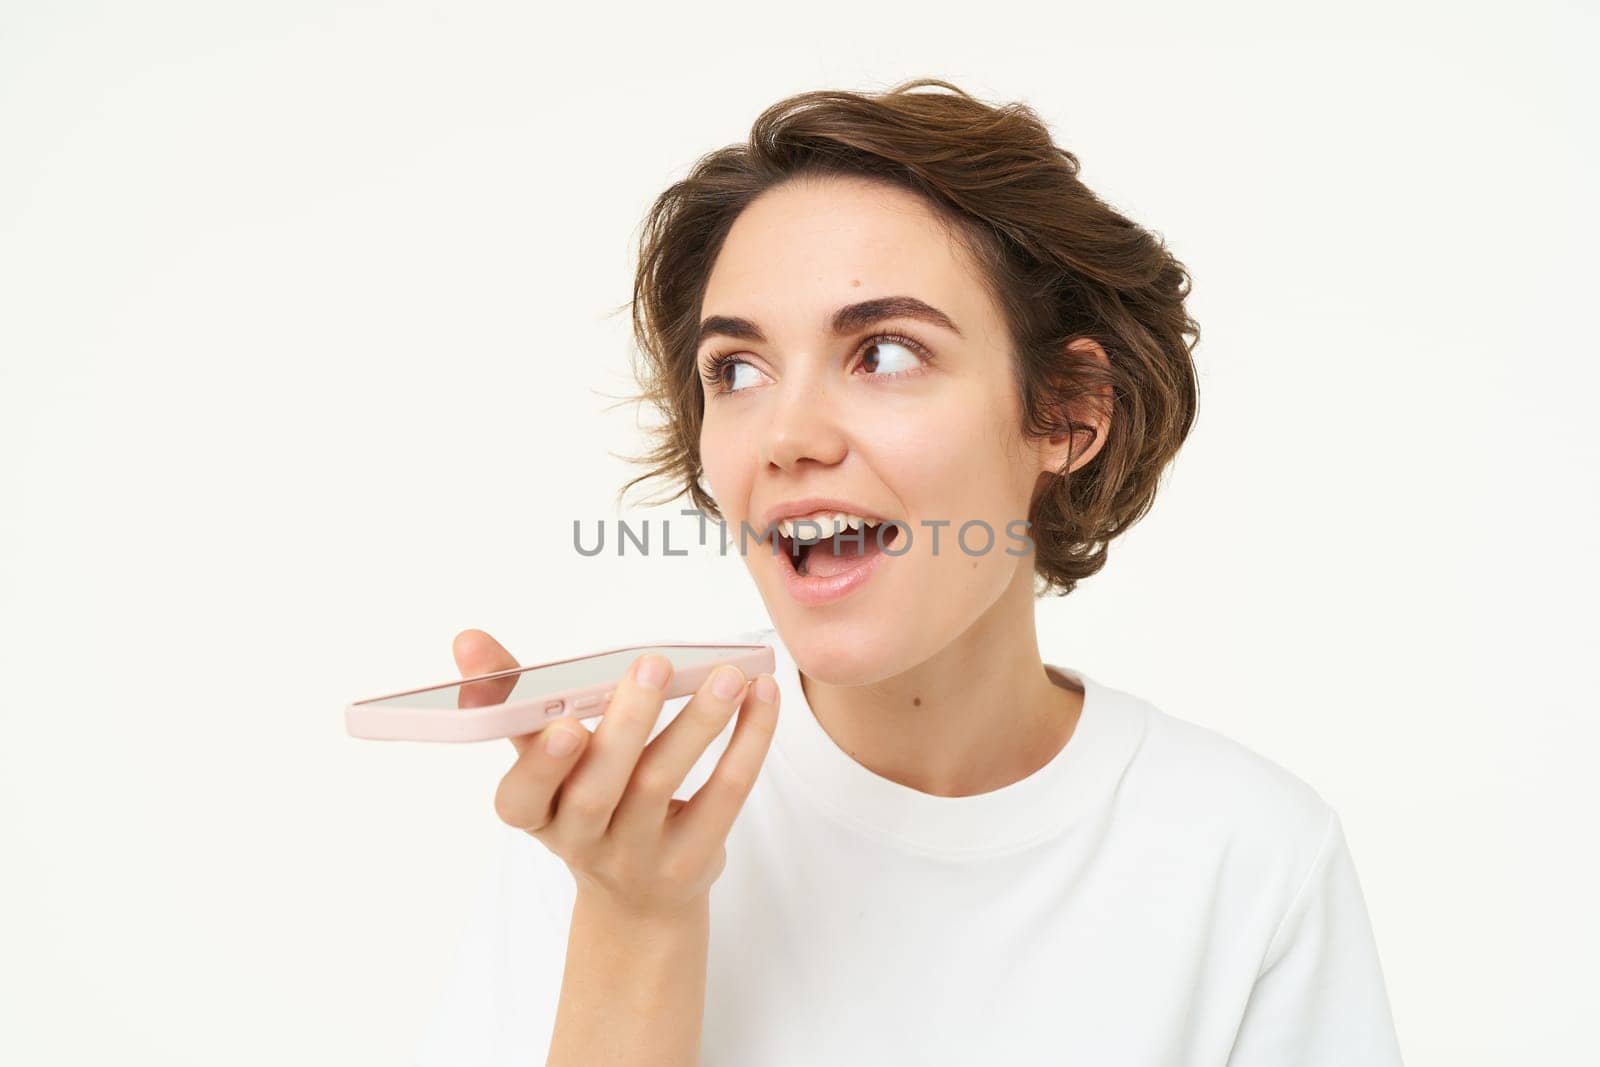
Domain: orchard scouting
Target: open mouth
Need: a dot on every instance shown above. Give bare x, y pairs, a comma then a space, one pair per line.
826, 554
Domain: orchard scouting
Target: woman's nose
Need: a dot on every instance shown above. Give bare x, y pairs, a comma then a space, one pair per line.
803, 425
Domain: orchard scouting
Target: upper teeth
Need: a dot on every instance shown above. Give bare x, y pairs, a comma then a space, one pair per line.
830, 523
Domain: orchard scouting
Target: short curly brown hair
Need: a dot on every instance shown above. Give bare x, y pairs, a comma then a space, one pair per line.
1060, 263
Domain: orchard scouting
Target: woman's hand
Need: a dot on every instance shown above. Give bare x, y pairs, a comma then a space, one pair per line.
605, 806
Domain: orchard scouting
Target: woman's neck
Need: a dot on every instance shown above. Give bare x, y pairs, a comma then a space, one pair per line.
980, 714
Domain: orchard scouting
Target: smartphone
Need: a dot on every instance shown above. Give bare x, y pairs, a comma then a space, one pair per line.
523, 700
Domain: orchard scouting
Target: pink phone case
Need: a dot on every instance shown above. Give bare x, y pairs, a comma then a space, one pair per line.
526, 715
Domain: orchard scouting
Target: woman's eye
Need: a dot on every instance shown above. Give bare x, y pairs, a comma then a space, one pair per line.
742, 372
890, 357
885, 356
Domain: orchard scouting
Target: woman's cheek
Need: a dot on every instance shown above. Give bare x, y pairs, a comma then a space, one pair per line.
938, 456
718, 456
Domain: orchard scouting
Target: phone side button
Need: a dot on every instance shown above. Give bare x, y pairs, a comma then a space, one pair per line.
585, 704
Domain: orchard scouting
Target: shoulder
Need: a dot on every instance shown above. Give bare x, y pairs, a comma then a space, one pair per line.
1218, 788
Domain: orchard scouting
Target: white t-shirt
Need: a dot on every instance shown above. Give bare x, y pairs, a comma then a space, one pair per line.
1157, 894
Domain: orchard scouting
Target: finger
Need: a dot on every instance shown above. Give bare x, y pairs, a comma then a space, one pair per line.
526, 797
477, 653
590, 794
667, 760
704, 821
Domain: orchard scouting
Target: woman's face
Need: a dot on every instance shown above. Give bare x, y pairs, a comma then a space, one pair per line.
928, 436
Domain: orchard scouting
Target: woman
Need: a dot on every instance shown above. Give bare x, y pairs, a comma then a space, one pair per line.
905, 309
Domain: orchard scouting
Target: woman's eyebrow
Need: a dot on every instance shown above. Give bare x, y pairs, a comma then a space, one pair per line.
846, 320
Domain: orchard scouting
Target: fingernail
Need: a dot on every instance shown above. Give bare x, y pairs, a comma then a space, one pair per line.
766, 689
728, 682
559, 742
652, 672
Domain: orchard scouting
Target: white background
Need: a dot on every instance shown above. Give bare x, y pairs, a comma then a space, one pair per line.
308, 345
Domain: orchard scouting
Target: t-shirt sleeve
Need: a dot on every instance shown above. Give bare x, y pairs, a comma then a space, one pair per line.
498, 1004
1319, 998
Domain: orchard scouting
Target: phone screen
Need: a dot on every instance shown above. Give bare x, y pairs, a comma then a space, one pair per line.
530, 682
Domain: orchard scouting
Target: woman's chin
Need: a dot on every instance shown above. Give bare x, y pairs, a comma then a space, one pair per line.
858, 638
834, 658
849, 648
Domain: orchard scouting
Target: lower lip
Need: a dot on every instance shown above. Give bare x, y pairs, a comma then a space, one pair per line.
812, 591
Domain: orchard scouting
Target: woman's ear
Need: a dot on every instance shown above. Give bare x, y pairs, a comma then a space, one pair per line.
1085, 421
